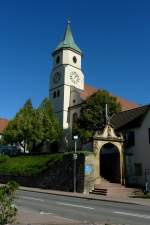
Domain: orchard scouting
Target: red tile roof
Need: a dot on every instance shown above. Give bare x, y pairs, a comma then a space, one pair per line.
125, 104
3, 124
88, 91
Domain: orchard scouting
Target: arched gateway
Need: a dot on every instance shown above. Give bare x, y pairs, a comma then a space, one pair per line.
106, 159
109, 158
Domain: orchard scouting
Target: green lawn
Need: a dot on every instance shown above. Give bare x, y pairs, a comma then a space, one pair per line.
27, 165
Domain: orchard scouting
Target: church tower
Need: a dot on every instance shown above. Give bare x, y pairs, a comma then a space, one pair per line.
66, 75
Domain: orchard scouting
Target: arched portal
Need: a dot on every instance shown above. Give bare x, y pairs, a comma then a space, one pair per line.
110, 163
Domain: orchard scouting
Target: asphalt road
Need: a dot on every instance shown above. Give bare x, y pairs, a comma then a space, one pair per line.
86, 211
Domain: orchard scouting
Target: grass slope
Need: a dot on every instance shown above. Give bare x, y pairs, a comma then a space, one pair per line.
27, 165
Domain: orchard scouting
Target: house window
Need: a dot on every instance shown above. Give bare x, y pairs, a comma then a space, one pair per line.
129, 138
138, 169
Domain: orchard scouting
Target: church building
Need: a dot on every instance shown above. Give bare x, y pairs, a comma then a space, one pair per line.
67, 88
120, 153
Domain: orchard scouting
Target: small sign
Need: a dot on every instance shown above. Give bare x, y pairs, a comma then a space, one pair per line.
88, 169
75, 156
147, 187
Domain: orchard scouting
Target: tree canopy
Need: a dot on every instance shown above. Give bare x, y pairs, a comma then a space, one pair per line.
50, 125
92, 114
31, 127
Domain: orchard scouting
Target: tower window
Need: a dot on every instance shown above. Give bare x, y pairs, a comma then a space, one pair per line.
74, 123
74, 100
74, 120
58, 93
74, 59
54, 94
57, 59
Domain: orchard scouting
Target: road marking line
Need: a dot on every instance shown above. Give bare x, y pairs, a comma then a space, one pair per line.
133, 214
45, 213
79, 206
31, 198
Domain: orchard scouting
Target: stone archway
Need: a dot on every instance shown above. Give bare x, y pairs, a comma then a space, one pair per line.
98, 162
101, 143
109, 157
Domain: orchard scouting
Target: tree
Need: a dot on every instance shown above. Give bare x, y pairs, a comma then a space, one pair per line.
32, 127
7, 210
92, 115
50, 125
20, 130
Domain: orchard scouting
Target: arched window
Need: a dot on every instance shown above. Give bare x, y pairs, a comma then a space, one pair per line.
74, 59
74, 120
54, 94
57, 59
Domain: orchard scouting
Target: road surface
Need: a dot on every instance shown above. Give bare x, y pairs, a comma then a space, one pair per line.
83, 210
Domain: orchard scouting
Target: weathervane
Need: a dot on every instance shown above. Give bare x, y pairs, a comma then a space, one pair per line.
68, 21
106, 114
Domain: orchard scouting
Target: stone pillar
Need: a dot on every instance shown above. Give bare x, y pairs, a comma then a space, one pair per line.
89, 173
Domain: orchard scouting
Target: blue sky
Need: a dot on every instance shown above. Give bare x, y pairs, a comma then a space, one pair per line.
113, 35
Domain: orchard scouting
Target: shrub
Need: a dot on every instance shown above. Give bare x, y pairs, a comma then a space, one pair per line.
7, 210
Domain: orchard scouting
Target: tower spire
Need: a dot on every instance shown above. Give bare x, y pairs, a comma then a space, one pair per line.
68, 40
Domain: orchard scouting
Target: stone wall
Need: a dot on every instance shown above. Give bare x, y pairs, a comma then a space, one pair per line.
59, 176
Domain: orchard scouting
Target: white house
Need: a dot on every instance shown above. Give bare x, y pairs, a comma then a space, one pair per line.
135, 126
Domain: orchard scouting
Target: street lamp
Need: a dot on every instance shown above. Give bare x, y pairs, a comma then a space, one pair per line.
75, 162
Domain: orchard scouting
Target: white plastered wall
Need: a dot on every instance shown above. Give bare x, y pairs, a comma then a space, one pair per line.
141, 149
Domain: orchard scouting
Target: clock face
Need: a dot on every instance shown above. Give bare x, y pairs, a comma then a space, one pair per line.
74, 77
56, 77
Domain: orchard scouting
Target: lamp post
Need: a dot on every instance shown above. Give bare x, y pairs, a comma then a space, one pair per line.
75, 163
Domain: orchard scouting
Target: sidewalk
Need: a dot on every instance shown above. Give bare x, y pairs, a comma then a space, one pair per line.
138, 201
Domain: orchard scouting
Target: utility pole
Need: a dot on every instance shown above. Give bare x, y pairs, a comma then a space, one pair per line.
75, 164
106, 113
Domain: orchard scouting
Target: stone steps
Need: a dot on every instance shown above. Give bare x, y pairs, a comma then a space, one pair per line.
112, 189
99, 191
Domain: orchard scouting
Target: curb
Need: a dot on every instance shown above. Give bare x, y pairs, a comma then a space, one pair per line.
88, 197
